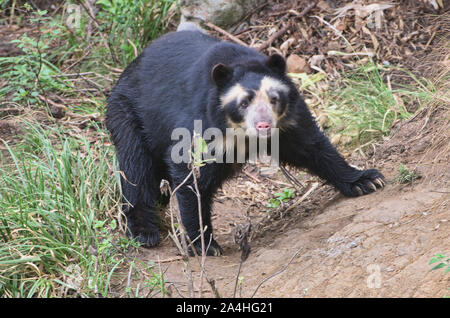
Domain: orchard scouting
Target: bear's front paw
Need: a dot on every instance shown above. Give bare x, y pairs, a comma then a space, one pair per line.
147, 236
369, 181
213, 249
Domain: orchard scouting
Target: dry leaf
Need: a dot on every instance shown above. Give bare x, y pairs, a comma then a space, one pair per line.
286, 45
297, 64
373, 37
341, 25
315, 61
324, 6
360, 10
335, 139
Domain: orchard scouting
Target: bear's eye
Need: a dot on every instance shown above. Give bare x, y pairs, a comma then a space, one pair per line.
244, 103
273, 100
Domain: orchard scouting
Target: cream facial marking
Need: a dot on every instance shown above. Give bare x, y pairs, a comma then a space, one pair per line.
236, 93
270, 83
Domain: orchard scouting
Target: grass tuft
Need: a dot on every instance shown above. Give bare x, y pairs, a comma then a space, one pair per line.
56, 200
364, 106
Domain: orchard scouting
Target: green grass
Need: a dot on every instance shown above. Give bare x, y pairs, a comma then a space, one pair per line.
363, 106
123, 28
59, 189
58, 198
132, 25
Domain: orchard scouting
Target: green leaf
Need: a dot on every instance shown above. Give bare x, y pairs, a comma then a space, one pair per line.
113, 224
440, 265
104, 3
42, 12
433, 260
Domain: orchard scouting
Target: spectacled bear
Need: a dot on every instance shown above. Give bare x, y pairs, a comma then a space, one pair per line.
186, 76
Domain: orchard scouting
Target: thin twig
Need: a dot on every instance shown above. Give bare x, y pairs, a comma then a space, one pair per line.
168, 260
230, 36
237, 278
72, 74
113, 55
274, 36
202, 230
250, 14
240, 236
13, 8
277, 273
251, 176
129, 276
182, 246
293, 180
77, 61
312, 187
185, 241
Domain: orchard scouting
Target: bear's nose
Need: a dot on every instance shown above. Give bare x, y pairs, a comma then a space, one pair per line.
262, 125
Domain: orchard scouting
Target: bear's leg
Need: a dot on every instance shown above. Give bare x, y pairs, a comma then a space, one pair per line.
139, 178
312, 150
139, 207
140, 189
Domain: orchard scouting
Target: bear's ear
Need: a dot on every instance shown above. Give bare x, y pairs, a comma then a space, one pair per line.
276, 63
221, 74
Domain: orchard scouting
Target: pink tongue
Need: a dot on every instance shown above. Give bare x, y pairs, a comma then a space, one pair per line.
262, 125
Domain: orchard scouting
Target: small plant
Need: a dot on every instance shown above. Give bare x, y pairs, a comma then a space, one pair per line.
443, 262
280, 198
132, 24
33, 72
364, 106
55, 233
125, 243
405, 175
200, 148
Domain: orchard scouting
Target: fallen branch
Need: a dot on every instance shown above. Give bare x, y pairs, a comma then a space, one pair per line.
168, 260
251, 176
284, 29
292, 179
274, 36
312, 187
230, 36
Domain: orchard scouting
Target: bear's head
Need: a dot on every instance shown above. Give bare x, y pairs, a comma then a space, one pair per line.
253, 94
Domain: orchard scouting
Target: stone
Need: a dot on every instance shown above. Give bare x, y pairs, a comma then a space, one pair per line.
223, 13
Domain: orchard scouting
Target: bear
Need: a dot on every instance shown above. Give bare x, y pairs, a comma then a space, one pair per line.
189, 76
